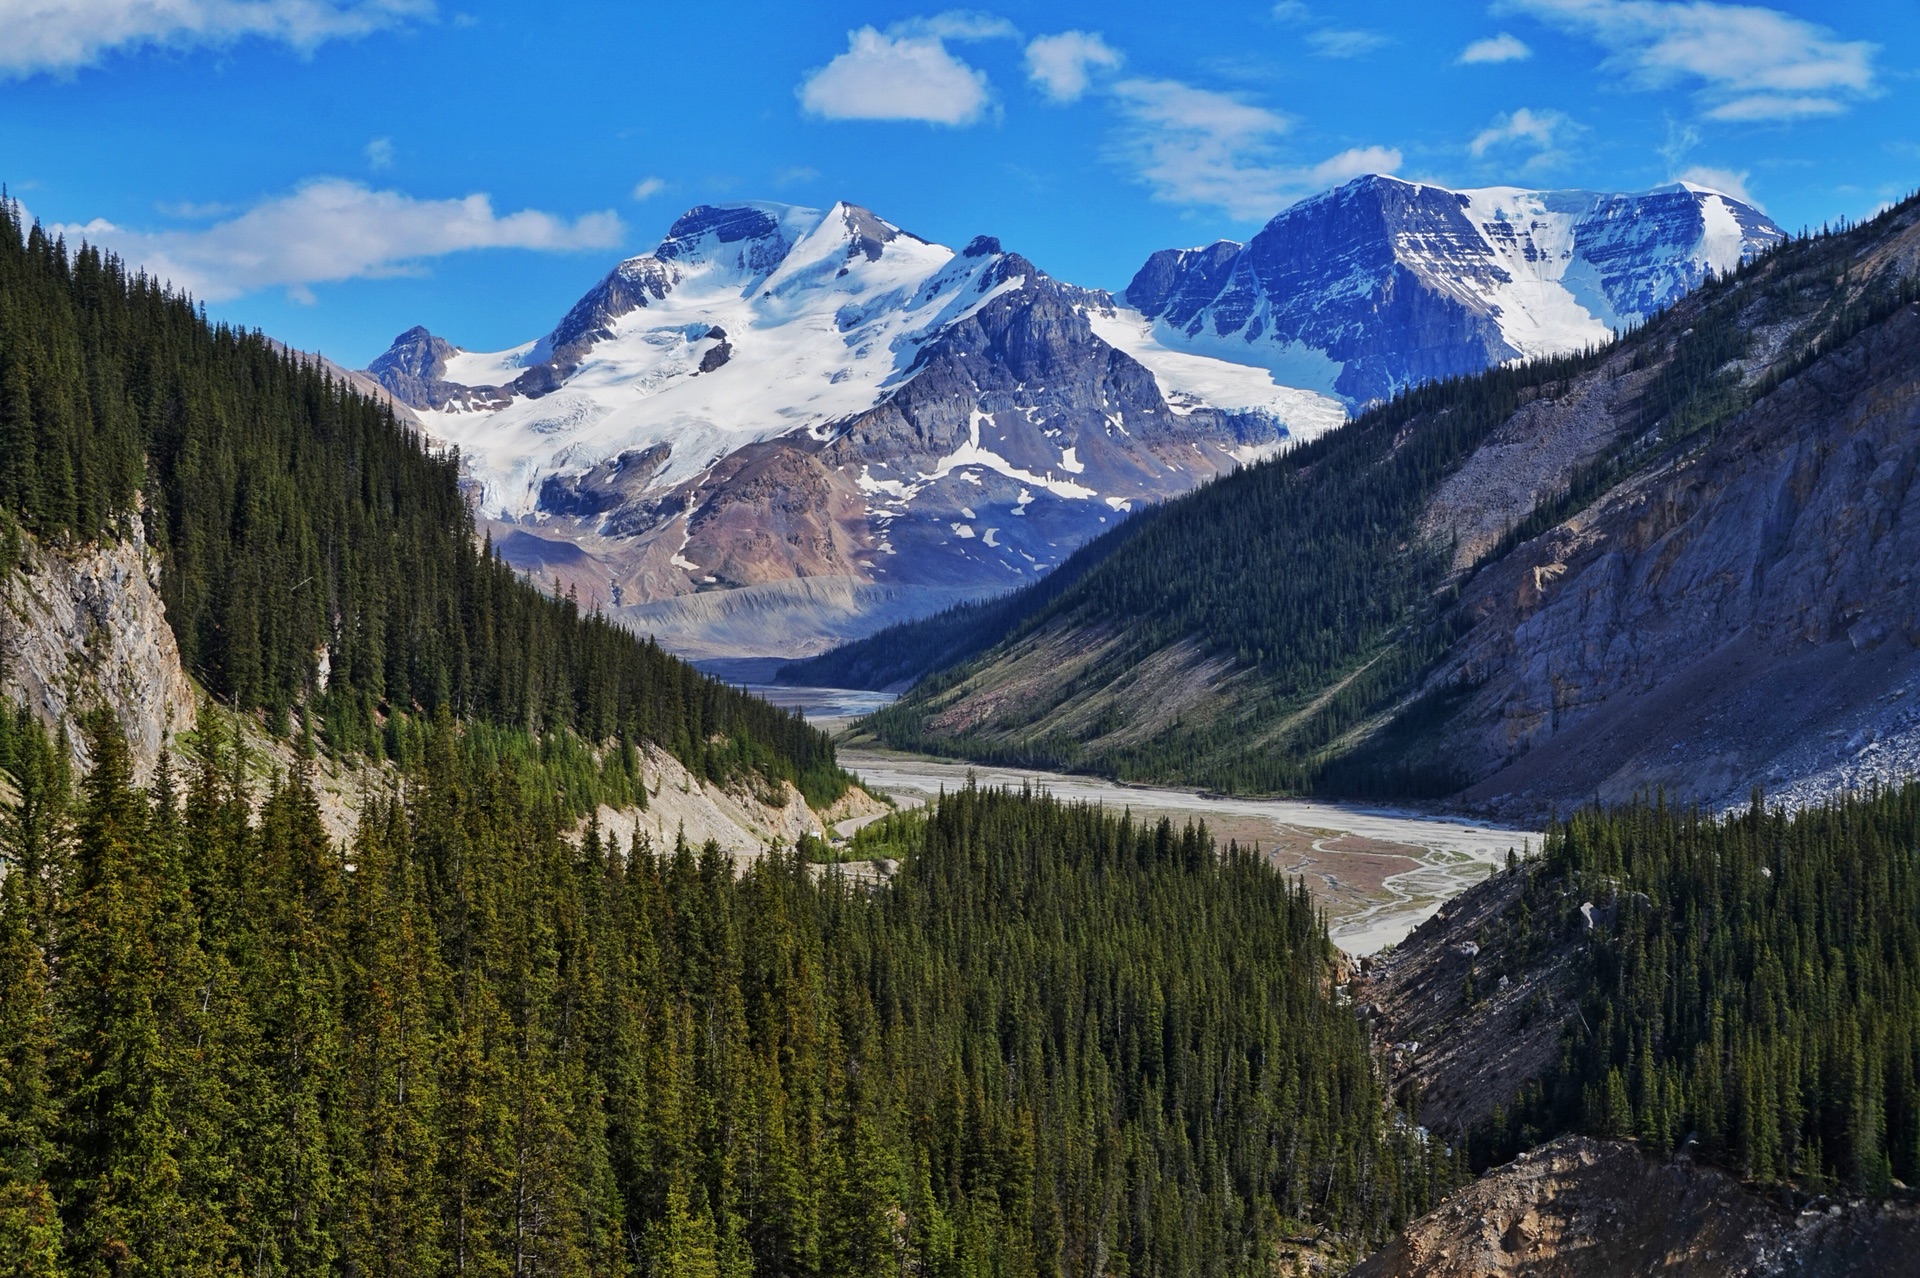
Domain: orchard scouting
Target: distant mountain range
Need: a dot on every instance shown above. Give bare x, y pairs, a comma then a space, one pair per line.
1382, 284
784, 427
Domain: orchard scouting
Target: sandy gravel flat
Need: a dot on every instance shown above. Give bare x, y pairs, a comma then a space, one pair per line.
1380, 872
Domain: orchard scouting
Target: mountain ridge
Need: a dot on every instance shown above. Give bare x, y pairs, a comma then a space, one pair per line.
775, 393
1462, 673
1382, 283
779, 394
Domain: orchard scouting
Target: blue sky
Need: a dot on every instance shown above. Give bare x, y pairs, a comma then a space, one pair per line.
334, 171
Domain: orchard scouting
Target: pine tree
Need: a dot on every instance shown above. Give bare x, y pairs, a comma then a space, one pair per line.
138, 1175
29, 1221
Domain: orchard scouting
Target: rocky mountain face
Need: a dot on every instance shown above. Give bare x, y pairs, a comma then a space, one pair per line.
1684, 562
828, 412
1743, 612
1574, 1207
1585, 1208
1382, 284
84, 629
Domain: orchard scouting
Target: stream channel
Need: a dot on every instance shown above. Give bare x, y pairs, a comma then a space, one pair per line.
1378, 871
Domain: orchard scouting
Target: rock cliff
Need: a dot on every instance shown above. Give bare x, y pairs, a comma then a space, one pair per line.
84, 628
1582, 1208
1743, 612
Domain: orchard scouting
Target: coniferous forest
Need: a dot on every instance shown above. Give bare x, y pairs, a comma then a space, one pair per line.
478, 1037
463, 1043
472, 1040
295, 521
1752, 989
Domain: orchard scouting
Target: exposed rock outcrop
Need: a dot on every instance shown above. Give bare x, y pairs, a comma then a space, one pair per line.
1730, 619
85, 628
1582, 1208
1465, 1056
413, 371
743, 821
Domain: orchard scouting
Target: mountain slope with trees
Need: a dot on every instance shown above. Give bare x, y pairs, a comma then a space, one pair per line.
316, 557
1058, 1042
1370, 613
1723, 1018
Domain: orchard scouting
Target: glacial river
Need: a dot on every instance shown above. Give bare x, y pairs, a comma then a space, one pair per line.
1378, 871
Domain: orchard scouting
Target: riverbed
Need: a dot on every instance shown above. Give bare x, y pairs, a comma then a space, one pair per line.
1378, 871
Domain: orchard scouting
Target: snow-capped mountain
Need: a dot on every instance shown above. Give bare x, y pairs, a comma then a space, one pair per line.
1381, 284
835, 419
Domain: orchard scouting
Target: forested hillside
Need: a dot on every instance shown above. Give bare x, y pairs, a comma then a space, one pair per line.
1753, 986
302, 531
1059, 1042
1743, 990
1274, 630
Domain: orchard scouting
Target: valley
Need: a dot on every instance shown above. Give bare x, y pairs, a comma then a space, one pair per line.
1675, 563
1317, 688
1378, 872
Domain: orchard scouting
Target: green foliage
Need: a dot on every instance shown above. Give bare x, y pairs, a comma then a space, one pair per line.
294, 518
461, 1043
10, 546
1753, 986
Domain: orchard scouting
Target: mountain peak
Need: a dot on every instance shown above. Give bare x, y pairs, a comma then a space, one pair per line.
416, 353
1381, 283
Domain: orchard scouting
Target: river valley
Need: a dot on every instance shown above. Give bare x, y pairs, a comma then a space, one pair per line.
1378, 871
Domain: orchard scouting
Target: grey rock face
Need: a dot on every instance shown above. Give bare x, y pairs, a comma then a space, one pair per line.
627, 288
606, 486
1026, 380
413, 371
85, 628
1749, 614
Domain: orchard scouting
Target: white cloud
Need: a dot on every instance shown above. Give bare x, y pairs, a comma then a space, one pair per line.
957, 24
192, 211
1776, 106
1725, 181
57, 35
1196, 146
648, 187
1061, 64
906, 73
379, 153
1290, 11
1500, 48
1345, 44
1347, 165
1746, 62
1527, 126
331, 229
